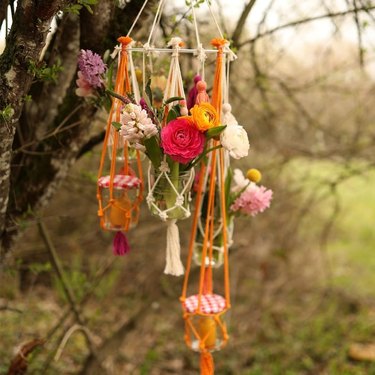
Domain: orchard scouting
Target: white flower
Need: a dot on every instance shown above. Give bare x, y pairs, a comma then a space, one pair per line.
241, 183
136, 125
234, 139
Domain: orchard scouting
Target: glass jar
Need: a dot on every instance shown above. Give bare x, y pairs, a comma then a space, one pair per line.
206, 328
120, 213
217, 258
170, 195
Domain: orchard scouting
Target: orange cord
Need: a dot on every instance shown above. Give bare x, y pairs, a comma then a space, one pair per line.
122, 87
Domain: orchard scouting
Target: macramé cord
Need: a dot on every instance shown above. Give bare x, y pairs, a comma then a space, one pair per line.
215, 176
130, 214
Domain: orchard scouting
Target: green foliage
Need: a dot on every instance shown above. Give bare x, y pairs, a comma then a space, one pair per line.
37, 268
7, 113
116, 125
43, 72
77, 7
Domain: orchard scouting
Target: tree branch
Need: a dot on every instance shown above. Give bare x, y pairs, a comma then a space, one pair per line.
241, 23
303, 21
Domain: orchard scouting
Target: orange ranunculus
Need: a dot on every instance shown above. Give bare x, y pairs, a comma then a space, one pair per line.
205, 116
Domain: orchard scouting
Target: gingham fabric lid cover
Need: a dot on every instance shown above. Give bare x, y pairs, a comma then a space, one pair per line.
210, 303
120, 181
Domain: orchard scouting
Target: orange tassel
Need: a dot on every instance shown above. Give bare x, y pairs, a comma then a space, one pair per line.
207, 363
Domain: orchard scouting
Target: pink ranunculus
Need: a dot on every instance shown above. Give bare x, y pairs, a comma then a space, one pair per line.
181, 140
253, 200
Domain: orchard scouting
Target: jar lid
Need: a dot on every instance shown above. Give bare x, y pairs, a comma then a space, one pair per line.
210, 303
120, 181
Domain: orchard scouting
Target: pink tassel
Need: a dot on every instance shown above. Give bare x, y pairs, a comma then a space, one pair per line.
193, 92
202, 96
120, 244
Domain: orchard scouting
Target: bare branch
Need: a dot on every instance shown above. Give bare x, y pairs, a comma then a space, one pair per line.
305, 20
241, 23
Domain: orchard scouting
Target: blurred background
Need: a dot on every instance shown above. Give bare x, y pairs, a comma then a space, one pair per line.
302, 273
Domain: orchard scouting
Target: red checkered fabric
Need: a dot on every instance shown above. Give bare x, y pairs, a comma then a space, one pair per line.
120, 181
210, 303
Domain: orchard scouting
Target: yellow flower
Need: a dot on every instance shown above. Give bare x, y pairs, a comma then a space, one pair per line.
205, 116
254, 175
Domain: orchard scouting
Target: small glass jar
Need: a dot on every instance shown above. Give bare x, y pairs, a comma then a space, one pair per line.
120, 213
217, 258
211, 334
169, 196
206, 329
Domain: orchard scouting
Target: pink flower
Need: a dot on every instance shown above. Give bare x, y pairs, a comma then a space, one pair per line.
92, 67
253, 200
84, 88
181, 140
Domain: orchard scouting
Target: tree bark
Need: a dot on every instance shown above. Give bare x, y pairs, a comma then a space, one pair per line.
24, 44
42, 139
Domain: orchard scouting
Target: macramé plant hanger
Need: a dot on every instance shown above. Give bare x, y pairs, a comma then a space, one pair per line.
120, 191
170, 180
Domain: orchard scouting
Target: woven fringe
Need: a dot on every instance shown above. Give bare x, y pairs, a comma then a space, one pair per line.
173, 264
120, 244
207, 363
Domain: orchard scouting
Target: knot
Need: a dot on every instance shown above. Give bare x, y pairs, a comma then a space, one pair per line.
115, 51
163, 215
179, 201
201, 53
164, 167
219, 43
150, 199
227, 108
124, 40
175, 42
147, 47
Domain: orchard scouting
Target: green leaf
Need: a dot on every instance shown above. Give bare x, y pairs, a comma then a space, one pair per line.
214, 132
172, 114
117, 96
227, 185
173, 99
110, 76
149, 91
153, 151
116, 125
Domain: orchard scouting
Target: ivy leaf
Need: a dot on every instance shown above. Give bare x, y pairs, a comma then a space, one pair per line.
214, 132
116, 125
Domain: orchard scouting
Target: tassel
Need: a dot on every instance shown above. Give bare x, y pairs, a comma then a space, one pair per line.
193, 92
173, 261
120, 244
228, 118
202, 96
207, 363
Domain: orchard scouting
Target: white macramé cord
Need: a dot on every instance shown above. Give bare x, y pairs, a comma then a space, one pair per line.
133, 77
158, 11
137, 18
180, 199
175, 85
173, 264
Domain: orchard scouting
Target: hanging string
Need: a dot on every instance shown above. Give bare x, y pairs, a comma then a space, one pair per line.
214, 19
155, 22
137, 18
